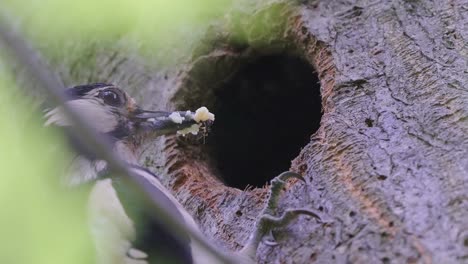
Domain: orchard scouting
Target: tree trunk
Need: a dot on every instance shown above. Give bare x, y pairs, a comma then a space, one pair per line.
384, 145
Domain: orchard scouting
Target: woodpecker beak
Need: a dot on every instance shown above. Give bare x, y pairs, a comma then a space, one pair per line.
162, 123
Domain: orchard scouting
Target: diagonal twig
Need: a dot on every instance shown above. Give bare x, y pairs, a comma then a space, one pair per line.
32, 62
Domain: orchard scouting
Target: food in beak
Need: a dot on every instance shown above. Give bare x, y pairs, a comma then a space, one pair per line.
179, 122
202, 117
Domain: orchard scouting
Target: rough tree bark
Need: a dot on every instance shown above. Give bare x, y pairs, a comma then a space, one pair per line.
388, 167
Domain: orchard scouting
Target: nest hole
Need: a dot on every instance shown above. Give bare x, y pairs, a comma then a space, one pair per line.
265, 114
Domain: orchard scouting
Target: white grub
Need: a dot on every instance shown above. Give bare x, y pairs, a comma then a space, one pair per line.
152, 120
192, 129
203, 114
176, 118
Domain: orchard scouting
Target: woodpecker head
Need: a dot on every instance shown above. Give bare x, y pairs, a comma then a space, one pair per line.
112, 112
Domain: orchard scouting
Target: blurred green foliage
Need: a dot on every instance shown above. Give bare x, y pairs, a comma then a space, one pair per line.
145, 25
162, 31
41, 222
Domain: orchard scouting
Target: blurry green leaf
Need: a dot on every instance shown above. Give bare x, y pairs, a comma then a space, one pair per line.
147, 25
41, 222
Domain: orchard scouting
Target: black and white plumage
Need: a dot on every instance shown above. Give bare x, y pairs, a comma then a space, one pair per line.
126, 232
124, 229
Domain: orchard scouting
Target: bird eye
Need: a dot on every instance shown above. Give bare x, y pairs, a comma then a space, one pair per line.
110, 97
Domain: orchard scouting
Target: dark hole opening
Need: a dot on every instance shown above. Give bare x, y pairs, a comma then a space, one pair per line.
264, 115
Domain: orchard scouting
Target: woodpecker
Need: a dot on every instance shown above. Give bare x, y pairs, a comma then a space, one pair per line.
124, 230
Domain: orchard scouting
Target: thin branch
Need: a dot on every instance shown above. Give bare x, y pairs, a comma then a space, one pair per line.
38, 70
